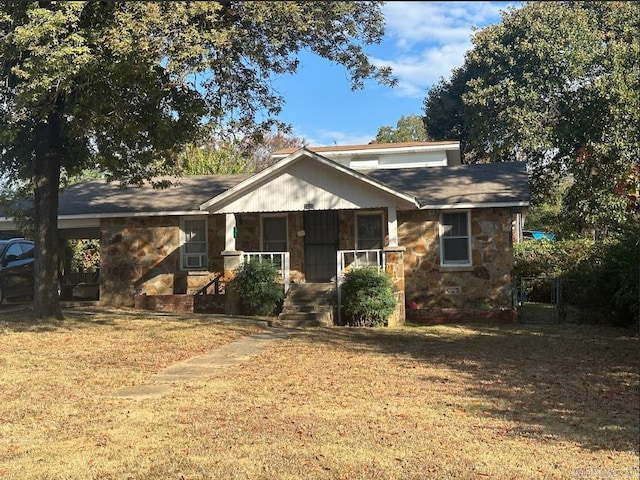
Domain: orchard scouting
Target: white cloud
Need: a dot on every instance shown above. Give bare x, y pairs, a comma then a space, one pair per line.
417, 72
439, 22
429, 39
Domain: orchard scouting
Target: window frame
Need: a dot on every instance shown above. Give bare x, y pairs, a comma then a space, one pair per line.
372, 213
204, 255
456, 263
286, 231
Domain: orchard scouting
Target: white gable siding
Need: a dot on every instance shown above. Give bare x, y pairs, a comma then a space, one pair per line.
369, 160
307, 185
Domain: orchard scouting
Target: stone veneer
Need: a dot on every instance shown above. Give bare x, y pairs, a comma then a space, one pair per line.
142, 256
485, 284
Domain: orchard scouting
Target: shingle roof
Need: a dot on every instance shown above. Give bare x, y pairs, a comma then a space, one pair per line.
437, 187
101, 197
506, 182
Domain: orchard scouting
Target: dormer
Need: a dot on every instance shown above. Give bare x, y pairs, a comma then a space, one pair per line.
388, 155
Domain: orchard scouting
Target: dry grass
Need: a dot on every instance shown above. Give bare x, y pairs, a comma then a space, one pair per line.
464, 402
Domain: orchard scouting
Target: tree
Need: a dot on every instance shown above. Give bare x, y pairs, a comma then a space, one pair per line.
237, 154
555, 84
410, 128
272, 142
214, 159
124, 85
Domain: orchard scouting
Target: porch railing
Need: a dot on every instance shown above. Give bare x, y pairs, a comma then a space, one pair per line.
280, 260
348, 260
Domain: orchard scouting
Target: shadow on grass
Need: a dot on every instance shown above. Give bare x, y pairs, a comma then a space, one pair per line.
116, 319
574, 383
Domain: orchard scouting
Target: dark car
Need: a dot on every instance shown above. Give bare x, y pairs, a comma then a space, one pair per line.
16, 268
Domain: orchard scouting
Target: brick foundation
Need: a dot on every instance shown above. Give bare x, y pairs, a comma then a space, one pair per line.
434, 316
180, 303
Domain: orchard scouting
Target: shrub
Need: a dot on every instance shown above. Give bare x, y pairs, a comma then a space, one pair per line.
368, 297
599, 277
257, 288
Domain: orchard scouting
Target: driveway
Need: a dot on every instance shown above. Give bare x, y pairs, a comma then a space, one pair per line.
8, 308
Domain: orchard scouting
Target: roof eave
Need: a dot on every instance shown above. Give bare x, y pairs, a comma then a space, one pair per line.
473, 205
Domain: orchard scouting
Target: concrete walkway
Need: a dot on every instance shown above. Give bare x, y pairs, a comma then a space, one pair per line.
203, 366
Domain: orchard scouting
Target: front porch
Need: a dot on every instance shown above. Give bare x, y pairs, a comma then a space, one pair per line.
319, 247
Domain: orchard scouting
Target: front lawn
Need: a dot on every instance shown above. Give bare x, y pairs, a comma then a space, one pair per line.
471, 401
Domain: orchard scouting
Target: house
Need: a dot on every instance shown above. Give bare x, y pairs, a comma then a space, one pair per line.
442, 230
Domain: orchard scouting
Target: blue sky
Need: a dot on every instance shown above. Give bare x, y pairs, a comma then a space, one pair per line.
423, 42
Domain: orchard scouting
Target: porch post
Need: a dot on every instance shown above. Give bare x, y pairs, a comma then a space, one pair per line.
230, 232
392, 221
394, 267
232, 260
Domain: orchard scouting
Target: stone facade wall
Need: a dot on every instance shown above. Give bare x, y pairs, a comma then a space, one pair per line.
485, 284
394, 268
142, 256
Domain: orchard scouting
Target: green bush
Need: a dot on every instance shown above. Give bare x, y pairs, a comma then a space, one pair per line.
368, 297
600, 277
257, 288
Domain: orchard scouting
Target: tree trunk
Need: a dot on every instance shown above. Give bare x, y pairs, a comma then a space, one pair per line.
46, 180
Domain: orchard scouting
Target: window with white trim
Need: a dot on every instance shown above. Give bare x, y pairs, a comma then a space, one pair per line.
369, 231
194, 243
455, 238
274, 233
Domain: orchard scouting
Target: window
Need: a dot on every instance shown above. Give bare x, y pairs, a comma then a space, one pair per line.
14, 253
274, 233
27, 248
455, 241
194, 244
369, 231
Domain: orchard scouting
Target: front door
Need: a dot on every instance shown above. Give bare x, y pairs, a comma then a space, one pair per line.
320, 245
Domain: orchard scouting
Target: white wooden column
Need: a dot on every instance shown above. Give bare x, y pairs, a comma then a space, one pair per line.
392, 228
230, 232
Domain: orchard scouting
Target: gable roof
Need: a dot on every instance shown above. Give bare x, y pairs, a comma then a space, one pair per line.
248, 186
461, 186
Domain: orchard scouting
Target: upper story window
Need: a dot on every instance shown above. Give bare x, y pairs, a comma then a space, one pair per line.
369, 231
455, 239
274, 233
194, 243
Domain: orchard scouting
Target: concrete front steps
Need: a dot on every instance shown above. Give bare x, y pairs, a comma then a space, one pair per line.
308, 305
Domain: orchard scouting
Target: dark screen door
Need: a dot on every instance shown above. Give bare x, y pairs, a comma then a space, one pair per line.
320, 245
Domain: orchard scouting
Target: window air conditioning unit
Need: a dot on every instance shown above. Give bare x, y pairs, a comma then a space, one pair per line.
194, 261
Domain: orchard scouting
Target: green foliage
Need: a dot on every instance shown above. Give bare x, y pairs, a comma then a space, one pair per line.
368, 297
213, 160
554, 84
235, 155
553, 259
410, 128
256, 284
600, 277
82, 255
